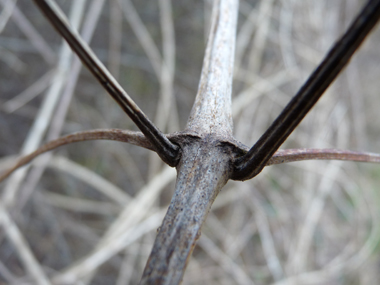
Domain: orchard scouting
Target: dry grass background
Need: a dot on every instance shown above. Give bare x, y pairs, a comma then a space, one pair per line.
89, 211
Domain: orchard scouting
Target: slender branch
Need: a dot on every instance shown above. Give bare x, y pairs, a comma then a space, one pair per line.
142, 34
290, 155
135, 138
168, 151
253, 162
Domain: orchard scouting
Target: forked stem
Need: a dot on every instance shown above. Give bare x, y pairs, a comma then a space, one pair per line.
205, 165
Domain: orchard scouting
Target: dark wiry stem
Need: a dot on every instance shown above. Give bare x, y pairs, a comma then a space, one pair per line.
254, 161
168, 151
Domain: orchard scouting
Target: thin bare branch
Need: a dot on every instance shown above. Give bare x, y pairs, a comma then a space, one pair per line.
253, 162
97, 258
115, 39
80, 205
32, 34
134, 212
8, 7
240, 276
168, 152
22, 248
91, 178
166, 106
135, 138
57, 121
142, 35
290, 155
28, 94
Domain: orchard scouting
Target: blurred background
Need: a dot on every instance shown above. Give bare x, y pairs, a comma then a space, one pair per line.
88, 212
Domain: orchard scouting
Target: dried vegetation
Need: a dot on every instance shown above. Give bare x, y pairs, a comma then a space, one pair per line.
90, 211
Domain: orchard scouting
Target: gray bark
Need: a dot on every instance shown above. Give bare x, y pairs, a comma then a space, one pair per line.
205, 164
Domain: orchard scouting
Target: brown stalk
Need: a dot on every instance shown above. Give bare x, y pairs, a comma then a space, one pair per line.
290, 155
135, 138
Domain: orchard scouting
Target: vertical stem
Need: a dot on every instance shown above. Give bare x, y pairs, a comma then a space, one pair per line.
203, 170
205, 164
211, 112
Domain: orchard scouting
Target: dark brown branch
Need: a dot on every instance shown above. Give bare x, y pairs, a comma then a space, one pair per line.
253, 162
135, 138
290, 155
168, 151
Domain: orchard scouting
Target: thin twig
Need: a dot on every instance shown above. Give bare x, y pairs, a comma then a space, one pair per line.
166, 104
97, 258
115, 39
290, 155
6, 13
135, 138
133, 213
91, 178
168, 152
22, 248
225, 261
260, 87
253, 162
259, 41
142, 35
57, 122
28, 94
76, 204
32, 34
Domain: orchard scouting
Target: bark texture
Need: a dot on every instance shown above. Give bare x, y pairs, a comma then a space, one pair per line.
206, 160
203, 170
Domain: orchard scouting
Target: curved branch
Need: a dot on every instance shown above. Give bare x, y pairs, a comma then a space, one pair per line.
254, 161
168, 151
135, 138
290, 155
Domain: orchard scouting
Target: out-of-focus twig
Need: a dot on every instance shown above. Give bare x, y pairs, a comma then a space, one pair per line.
45, 113
32, 34
22, 248
28, 94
